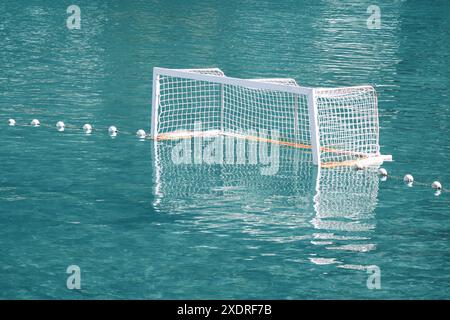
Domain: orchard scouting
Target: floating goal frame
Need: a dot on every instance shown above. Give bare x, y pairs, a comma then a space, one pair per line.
342, 122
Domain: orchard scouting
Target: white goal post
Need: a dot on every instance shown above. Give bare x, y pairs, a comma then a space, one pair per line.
338, 126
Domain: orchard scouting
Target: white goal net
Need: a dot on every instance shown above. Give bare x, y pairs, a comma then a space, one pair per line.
339, 126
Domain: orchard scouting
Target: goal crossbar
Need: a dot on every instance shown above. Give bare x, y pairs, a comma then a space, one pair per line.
339, 126
249, 83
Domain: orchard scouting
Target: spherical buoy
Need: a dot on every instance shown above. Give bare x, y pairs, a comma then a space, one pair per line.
35, 123
141, 134
382, 172
113, 131
436, 185
408, 180
87, 128
60, 126
11, 122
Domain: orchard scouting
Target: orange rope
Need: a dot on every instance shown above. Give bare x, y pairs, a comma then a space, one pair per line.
188, 135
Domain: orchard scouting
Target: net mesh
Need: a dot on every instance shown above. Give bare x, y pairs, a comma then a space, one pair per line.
186, 103
266, 111
348, 123
189, 106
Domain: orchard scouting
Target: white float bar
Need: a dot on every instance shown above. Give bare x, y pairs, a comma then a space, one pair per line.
199, 70
374, 161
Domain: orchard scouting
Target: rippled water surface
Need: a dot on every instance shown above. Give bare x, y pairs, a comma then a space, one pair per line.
140, 226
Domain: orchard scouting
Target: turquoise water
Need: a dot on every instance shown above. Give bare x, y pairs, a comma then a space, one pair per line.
139, 226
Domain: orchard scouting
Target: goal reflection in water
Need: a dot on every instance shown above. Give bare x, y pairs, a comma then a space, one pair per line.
328, 213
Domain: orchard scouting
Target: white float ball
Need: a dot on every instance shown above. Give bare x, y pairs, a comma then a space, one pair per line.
35, 123
141, 134
382, 172
60, 126
113, 131
87, 128
11, 122
436, 185
408, 178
